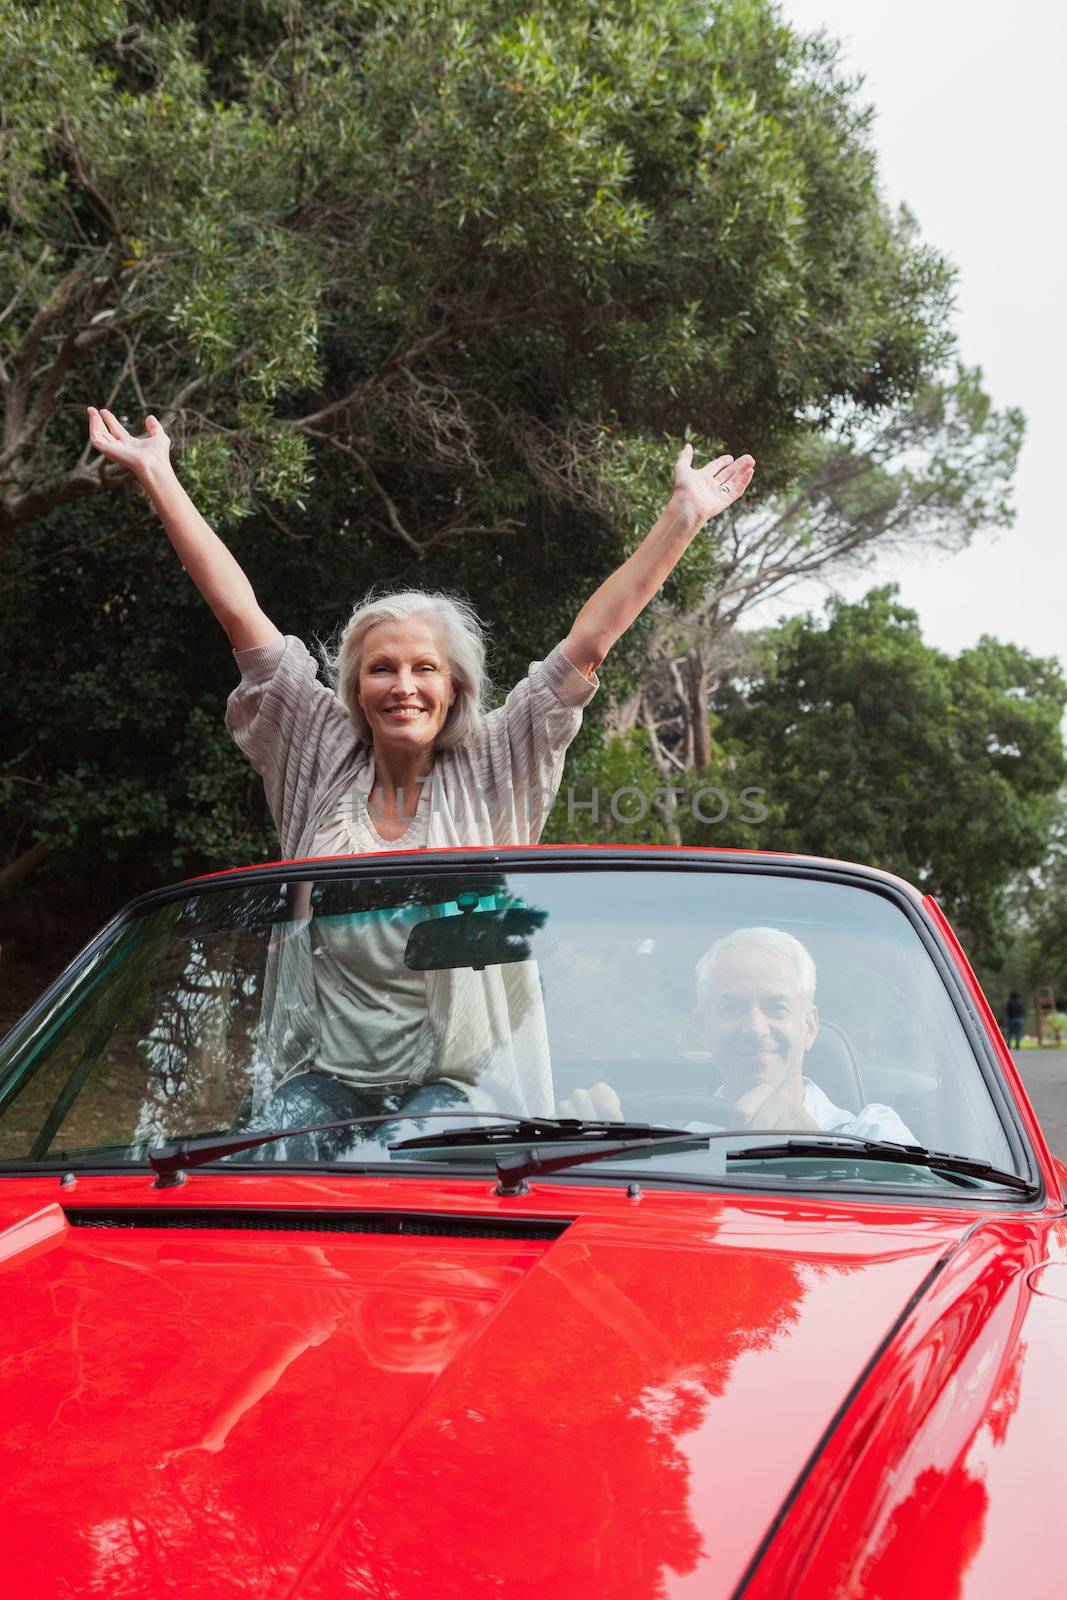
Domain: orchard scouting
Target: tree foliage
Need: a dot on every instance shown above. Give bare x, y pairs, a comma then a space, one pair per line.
475, 259
873, 746
422, 292
1040, 949
930, 474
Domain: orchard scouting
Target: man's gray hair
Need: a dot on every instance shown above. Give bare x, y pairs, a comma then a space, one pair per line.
463, 636
766, 939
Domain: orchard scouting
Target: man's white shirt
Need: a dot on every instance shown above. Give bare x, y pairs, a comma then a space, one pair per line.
872, 1122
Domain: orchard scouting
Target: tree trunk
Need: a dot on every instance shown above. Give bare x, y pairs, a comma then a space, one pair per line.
23, 865
697, 695
625, 715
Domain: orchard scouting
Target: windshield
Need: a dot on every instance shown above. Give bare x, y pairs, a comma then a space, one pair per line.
701, 999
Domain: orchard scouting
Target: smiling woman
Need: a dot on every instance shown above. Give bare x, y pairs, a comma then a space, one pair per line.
405, 728
398, 751
410, 672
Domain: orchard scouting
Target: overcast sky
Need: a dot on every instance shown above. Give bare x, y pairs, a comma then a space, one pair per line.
970, 122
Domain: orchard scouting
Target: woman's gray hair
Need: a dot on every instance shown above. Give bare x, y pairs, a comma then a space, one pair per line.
767, 939
463, 636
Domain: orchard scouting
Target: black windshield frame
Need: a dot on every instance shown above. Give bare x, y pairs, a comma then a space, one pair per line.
555, 859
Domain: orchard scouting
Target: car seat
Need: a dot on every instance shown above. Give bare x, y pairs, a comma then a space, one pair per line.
832, 1064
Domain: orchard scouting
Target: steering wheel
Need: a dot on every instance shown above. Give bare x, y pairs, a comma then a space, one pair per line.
653, 1105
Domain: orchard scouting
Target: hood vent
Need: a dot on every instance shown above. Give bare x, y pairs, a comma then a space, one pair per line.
424, 1223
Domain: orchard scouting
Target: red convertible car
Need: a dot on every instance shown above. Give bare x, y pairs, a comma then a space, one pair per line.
547, 1222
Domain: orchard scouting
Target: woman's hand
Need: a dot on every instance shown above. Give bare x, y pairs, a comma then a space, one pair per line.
107, 435
199, 549
705, 492
622, 597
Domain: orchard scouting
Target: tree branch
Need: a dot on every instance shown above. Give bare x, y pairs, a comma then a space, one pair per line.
21, 508
396, 527
81, 549
50, 312
69, 147
405, 356
23, 865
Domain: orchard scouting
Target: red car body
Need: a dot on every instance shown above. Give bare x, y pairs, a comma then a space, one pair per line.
387, 1385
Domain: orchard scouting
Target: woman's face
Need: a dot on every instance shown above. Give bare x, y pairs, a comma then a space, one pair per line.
405, 684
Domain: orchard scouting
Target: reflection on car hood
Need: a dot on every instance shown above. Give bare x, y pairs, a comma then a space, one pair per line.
617, 1411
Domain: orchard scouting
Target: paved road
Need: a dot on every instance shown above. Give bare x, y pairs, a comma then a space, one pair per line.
1044, 1075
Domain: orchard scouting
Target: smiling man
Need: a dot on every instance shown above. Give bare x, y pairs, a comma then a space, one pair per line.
757, 1016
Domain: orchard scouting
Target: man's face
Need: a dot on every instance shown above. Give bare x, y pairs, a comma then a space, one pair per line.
756, 1022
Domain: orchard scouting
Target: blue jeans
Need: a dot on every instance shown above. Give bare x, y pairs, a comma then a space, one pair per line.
313, 1097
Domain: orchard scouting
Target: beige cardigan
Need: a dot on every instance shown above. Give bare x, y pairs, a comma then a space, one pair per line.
497, 790
485, 1030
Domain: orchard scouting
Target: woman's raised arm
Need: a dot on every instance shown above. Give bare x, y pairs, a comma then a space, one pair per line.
697, 497
218, 576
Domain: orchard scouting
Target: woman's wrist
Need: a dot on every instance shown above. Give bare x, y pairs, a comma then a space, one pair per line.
154, 476
160, 471
685, 512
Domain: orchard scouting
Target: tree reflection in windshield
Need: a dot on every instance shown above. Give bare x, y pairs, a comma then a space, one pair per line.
206, 1008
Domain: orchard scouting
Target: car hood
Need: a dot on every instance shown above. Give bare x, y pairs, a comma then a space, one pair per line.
617, 1403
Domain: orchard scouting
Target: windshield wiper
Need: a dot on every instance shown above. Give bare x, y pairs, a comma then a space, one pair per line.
546, 1129
584, 1141
170, 1161
914, 1155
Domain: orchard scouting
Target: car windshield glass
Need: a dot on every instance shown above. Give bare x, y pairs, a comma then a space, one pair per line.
702, 999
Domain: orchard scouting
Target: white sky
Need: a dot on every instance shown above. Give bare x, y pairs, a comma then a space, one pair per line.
970, 129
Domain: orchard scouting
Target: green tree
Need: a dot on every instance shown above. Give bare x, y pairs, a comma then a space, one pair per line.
932, 473
418, 290
873, 746
1042, 924
473, 258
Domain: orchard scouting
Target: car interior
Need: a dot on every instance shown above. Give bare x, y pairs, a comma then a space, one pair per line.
170, 1044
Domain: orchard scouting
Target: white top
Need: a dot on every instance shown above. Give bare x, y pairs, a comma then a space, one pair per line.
872, 1122
371, 1008
347, 1002
350, 829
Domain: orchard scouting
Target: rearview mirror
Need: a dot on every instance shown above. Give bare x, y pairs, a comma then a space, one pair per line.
478, 939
